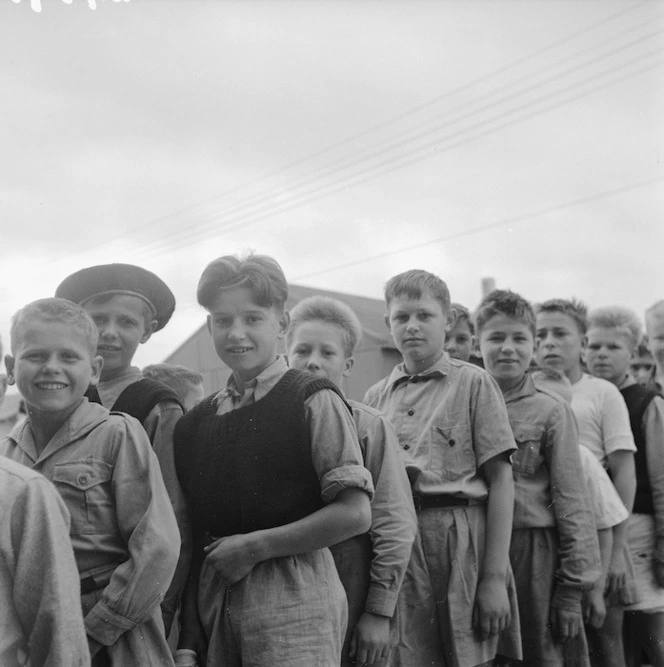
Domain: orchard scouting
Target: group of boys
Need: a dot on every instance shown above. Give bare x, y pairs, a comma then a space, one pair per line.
499, 529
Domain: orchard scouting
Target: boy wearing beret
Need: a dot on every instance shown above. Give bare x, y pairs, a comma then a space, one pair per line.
128, 304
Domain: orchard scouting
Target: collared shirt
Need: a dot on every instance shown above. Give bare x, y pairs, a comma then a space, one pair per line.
40, 612
450, 419
653, 428
335, 452
548, 480
393, 520
121, 519
602, 417
160, 425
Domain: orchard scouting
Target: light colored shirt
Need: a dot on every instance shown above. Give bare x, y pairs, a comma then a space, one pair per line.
40, 613
450, 419
335, 452
602, 417
393, 520
122, 523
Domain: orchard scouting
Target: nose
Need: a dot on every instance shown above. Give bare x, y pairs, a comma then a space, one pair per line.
313, 363
108, 330
236, 332
412, 325
546, 340
50, 365
507, 346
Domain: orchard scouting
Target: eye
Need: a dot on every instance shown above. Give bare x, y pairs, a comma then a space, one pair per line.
128, 322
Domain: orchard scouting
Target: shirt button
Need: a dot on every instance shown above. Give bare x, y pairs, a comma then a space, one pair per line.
452, 442
411, 413
82, 479
406, 446
415, 379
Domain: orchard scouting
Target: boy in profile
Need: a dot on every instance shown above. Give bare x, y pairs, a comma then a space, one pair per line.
187, 384
554, 550
321, 339
604, 428
128, 304
452, 425
123, 530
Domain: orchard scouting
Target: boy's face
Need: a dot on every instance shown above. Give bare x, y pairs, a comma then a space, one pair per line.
245, 335
507, 347
459, 341
641, 367
52, 366
317, 347
194, 396
655, 331
418, 327
122, 326
608, 353
559, 342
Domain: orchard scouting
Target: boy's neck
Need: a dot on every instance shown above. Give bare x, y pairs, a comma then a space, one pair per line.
45, 425
114, 374
574, 374
415, 366
507, 384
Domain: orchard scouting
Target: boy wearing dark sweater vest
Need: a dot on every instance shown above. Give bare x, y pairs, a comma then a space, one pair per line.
271, 469
613, 337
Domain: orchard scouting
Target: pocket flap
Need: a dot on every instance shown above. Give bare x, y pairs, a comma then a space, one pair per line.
527, 432
83, 474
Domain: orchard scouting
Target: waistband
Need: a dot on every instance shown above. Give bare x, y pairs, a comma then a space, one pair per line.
443, 500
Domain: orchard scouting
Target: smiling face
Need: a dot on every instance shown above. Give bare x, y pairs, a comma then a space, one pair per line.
52, 366
608, 353
245, 334
123, 324
318, 348
559, 343
507, 346
418, 327
459, 340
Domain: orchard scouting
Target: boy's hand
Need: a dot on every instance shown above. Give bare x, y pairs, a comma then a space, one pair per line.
491, 614
594, 611
565, 624
370, 641
94, 646
232, 557
658, 567
617, 574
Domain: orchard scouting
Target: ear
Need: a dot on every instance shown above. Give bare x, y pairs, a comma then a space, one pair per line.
451, 319
386, 317
9, 364
149, 330
348, 366
97, 365
208, 324
3, 386
284, 323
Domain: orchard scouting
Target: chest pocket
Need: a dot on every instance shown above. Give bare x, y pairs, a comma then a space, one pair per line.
528, 458
85, 486
451, 455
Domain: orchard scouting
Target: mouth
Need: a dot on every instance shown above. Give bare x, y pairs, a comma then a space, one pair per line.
413, 340
238, 350
108, 348
51, 386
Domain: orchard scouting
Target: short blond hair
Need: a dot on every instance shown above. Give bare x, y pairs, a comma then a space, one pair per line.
618, 317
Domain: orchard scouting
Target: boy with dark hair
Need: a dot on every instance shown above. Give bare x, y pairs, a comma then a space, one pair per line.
272, 470
453, 428
321, 340
642, 365
128, 304
613, 335
604, 427
460, 339
187, 384
554, 550
123, 530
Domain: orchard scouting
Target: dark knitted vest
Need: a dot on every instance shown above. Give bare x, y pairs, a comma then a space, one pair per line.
139, 398
638, 399
251, 468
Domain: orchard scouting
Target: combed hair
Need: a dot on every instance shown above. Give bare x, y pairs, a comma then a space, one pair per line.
415, 284
618, 317
331, 311
179, 378
508, 303
573, 308
54, 310
259, 273
463, 315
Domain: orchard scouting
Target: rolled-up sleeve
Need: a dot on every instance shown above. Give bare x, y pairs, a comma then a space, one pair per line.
335, 449
147, 523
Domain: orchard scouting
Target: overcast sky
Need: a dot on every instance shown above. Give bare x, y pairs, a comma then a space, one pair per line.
350, 140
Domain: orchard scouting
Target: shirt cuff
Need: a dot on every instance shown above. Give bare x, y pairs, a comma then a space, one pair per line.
380, 601
567, 597
345, 477
104, 625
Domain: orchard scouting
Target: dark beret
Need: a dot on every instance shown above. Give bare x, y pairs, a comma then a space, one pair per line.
121, 279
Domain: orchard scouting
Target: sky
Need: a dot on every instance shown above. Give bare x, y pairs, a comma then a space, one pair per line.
351, 140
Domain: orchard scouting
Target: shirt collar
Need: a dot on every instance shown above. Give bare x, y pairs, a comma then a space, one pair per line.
260, 385
438, 369
627, 381
526, 387
110, 390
